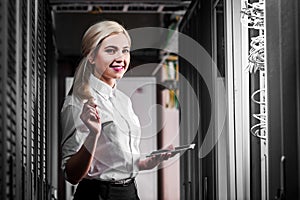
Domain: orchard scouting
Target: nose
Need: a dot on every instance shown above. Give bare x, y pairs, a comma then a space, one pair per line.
120, 54
120, 60
120, 57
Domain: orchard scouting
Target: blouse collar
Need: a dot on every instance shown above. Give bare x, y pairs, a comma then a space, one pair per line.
101, 87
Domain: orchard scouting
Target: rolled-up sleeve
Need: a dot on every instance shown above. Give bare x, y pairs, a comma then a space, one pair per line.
74, 131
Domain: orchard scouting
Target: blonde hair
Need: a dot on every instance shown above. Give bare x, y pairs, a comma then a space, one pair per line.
90, 43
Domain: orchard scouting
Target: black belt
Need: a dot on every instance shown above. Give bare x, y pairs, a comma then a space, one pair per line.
120, 183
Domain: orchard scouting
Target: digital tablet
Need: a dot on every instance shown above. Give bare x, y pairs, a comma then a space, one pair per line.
176, 150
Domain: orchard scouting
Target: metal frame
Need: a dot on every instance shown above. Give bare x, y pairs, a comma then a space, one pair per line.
221, 147
238, 103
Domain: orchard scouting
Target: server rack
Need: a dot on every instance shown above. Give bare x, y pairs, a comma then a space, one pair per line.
282, 27
276, 175
208, 22
197, 175
24, 107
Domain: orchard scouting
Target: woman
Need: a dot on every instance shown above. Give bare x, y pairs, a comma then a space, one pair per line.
101, 133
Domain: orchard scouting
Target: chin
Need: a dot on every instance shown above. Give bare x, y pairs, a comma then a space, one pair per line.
119, 76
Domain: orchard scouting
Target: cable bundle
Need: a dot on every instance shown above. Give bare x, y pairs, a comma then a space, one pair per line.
252, 16
256, 55
260, 129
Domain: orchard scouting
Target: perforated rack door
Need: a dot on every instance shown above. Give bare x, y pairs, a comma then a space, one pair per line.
23, 106
2, 161
8, 101
196, 174
2, 157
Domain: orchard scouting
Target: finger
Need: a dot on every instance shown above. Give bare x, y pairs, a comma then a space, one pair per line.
163, 156
174, 153
92, 102
89, 115
171, 147
86, 107
89, 108
88, 104
94, 117
167, 156
157, 158
92, 114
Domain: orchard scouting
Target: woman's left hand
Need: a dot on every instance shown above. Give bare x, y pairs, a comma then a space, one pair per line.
164, 156
155, 160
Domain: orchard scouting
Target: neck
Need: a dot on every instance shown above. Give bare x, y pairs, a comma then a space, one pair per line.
110, 82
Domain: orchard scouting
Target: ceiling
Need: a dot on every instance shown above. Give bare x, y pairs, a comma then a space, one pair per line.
69, 27
148, 6
116, 1
72, 17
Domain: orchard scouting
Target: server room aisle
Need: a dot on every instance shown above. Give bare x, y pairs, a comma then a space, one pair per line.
223, 75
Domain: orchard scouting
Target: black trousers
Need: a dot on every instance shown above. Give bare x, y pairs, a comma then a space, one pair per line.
99, 190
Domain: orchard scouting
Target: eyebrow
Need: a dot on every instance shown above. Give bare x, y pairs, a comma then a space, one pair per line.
115, 47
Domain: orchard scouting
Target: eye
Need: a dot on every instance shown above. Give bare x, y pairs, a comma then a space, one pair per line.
125, 51
110, 51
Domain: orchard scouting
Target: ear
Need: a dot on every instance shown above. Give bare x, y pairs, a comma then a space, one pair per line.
91, 60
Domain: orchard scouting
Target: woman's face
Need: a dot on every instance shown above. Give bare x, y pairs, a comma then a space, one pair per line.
112, 58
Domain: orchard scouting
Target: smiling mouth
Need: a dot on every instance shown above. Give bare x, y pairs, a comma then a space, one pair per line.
117, 67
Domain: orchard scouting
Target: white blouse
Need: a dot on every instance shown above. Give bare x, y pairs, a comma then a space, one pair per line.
117, 153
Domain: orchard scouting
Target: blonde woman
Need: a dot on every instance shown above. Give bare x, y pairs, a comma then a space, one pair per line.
101, 133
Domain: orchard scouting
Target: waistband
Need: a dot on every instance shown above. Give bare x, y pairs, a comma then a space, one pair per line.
120, 183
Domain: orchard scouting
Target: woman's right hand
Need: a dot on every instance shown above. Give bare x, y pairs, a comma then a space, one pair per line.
90, 116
